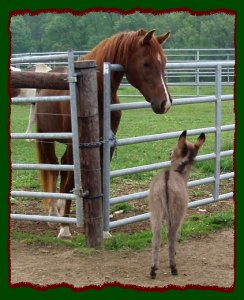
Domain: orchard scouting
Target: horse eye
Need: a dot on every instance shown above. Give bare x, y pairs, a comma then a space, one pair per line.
146, 65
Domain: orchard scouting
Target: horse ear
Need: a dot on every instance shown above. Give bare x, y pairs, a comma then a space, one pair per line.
141, 32
163, 37
200, 141
148, 37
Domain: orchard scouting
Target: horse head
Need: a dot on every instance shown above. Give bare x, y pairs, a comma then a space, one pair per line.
145, 67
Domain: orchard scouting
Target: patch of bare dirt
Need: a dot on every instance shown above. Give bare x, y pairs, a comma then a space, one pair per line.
206, 261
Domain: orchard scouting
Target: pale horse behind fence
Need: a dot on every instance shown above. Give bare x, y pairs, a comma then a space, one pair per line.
168, 199
25, 92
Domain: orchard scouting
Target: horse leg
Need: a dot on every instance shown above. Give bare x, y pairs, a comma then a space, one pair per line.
32, 117
66, 186
46, 155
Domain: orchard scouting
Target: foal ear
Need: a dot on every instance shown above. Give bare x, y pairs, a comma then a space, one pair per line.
183, 135
182, 139
163, 37
200, 141
148, 37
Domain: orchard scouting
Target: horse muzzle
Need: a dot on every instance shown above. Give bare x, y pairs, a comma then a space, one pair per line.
160, 107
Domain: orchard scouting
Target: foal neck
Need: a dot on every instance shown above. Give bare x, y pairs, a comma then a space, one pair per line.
183, 170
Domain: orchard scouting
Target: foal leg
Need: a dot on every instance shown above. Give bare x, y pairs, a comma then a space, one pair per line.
156, 225
173, 227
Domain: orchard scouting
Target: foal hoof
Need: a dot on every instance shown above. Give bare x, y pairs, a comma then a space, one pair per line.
64, 233
174, 270
153, 272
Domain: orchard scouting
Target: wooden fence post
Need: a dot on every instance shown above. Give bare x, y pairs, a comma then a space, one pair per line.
88, 124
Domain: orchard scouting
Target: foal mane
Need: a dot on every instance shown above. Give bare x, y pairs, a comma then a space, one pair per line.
118, 48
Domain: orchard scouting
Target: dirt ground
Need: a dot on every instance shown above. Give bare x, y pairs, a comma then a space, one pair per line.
205, 261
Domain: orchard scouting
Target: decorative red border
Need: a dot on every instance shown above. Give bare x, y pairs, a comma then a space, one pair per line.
115, 283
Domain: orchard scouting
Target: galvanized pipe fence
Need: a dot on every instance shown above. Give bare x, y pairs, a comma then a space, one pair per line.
108, 142
67, 58
197, 77
216, 155
179, 55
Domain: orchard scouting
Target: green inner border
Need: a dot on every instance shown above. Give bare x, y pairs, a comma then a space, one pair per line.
15, 7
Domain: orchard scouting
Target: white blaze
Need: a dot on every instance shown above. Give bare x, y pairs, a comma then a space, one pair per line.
168, 103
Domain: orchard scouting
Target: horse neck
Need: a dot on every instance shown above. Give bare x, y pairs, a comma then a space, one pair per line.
108, 52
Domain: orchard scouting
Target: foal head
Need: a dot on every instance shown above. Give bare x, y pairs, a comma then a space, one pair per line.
185, 152
145, 66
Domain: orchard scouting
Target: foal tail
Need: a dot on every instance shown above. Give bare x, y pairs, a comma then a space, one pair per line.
46, 155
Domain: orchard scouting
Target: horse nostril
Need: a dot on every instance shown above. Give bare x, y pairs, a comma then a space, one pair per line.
162, 106
158, 108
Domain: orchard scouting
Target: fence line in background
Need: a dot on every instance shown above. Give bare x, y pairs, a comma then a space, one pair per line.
192, 77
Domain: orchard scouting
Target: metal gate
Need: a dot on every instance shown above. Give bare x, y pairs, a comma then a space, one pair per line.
219, 67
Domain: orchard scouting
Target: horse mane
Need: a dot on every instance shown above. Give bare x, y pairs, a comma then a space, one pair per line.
118, 48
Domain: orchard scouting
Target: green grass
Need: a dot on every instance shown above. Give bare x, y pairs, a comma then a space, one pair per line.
196, 225
126, 207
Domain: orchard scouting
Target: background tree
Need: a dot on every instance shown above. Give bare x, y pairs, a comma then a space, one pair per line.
61, 32
21, 35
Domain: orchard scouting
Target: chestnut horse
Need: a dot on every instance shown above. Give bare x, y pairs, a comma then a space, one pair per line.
142, 57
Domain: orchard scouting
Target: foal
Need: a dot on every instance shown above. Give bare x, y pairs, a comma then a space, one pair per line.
168, 198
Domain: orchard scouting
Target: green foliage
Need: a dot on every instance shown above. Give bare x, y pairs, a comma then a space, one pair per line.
21, 35
61, 32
